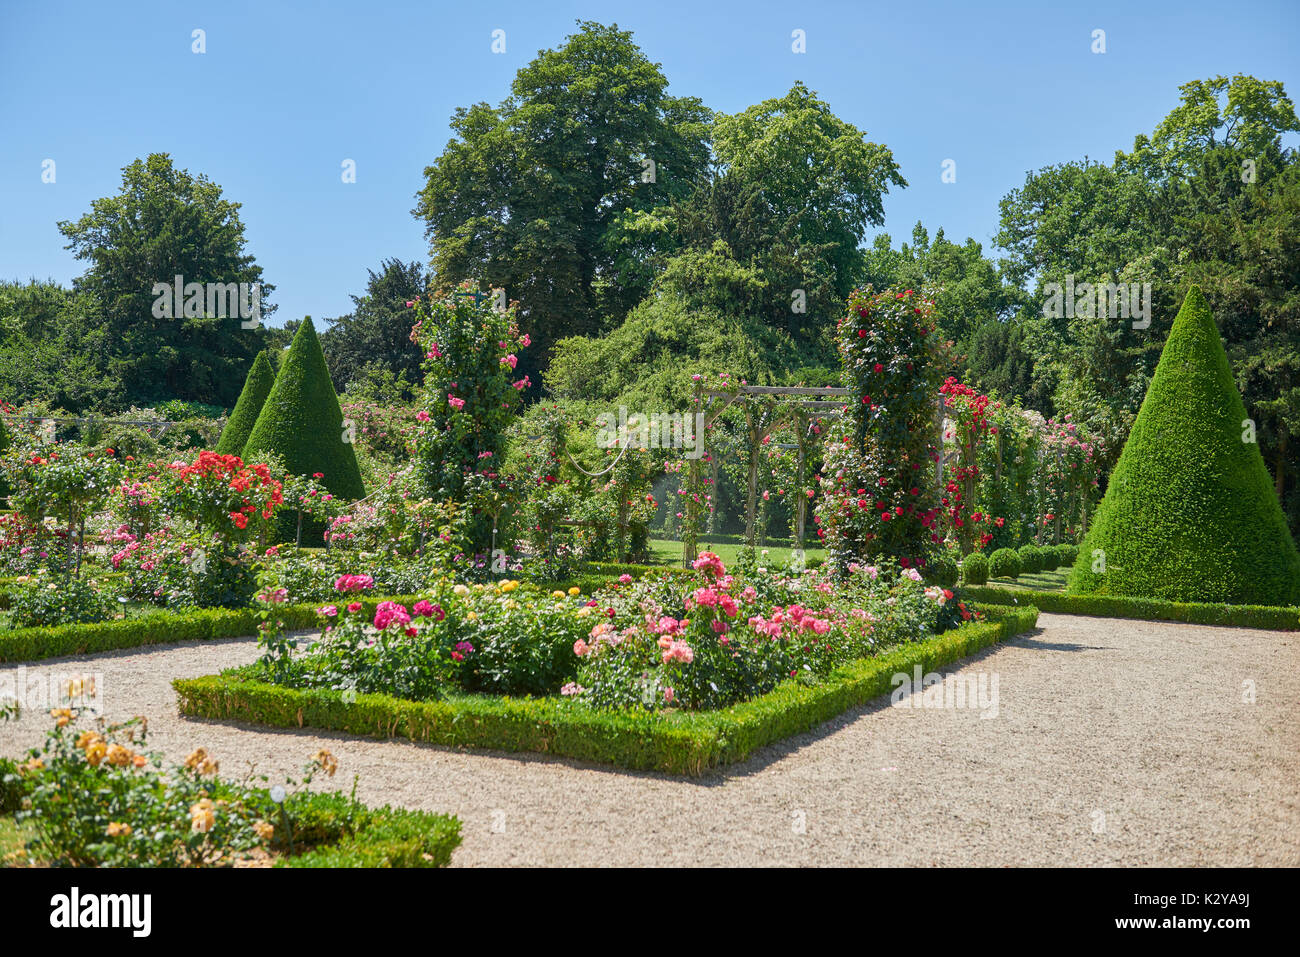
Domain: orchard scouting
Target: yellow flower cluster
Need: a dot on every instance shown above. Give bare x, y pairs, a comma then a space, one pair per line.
263, 830
202, 816
326, 762
118, 829
98, 750
199, 760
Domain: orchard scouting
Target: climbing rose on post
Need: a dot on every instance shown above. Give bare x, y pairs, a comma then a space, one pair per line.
471, 394
879, 498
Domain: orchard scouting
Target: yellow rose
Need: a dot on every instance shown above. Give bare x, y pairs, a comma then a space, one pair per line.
472, 616
557, 594
584, 611
460, 590
575, 591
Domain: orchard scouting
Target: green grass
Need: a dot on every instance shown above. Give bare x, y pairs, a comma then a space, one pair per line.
665, 551
13, 837
1040, 581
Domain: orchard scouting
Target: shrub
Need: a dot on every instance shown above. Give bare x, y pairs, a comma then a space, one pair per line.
1066, 554
302, 424
60, 600
95, 798
1155, 609
1051, 558
1004, 563
942, 569
1031, 559
1190, 513
975, 569
256, 388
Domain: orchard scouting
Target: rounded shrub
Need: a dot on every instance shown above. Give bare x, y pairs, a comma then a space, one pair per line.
975, 569
1004, 563
1190, 513
1031, 559
1051, 557
941, 570
1066, 554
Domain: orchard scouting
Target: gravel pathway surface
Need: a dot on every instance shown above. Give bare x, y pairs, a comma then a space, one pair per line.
1114, 743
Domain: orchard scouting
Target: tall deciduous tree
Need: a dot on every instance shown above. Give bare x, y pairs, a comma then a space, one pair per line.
545, 194
162, 224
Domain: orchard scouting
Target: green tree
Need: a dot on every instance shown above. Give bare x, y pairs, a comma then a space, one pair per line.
162, 224
375, 338
545, 194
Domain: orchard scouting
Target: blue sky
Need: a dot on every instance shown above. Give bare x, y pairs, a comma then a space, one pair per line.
286, 92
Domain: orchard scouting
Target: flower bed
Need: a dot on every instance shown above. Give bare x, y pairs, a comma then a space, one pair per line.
1277, 618
676, 742
93, 797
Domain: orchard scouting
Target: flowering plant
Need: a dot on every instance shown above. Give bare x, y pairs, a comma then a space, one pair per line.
892, 358
471, 392
222, 495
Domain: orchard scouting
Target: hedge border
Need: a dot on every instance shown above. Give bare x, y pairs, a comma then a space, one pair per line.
390, 837
1269, 617
191, 624
154, 628
680, 743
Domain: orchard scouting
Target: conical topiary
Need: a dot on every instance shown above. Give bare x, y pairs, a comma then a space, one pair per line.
256, 388
1190, 513
302, 423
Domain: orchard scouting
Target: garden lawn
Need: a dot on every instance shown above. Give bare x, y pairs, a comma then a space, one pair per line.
1039, 581
668, 552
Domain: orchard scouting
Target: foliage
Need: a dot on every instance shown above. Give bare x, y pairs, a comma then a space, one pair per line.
540, 197
975, 569
1004, 563
302, 424
876, 500
256, 388
471, 393
1281, 618
45, 599
676, 742
374, 340
67, 483
1031, 559
165, 223
1190, 513
97, 798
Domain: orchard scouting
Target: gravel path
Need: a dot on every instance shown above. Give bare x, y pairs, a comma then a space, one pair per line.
1115, 742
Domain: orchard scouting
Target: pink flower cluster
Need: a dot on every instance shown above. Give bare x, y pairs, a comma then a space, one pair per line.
346, 583
796, 617
390, 611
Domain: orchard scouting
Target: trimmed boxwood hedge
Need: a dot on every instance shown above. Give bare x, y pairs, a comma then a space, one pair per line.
155, 628
1190, 513
1004, 563
240, 425
1031, 559
975, 568
1273, 617
301, 421
1051, 557
676, 743
375, 837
